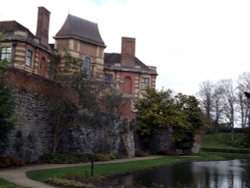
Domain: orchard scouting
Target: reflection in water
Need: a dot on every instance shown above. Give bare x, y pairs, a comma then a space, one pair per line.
216, 174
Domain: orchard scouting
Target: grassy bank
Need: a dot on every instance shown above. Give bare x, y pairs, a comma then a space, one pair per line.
6, 184
110, 169
223, 140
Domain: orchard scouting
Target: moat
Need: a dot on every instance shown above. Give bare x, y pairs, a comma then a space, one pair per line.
212, 174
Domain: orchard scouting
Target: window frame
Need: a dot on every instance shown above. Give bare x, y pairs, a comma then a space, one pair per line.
86, 66
6, 52
108, 78
145, 82
28, 57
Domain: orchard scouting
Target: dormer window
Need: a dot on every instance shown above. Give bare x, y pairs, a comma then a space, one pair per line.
6, 54
28, 60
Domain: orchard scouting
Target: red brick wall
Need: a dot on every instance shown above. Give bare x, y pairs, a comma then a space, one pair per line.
125, 86
128, 52
42, 32
38, 85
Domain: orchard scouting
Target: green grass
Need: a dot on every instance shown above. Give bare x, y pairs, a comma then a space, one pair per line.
6, 184
110, 169
222, 142
217, 140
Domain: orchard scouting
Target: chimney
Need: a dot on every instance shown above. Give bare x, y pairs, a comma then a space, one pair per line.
42, 31
128, 52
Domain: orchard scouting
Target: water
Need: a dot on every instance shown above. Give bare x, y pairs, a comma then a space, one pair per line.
212, 174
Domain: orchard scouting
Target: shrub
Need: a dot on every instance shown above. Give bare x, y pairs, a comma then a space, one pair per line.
67, 183
10, 161
74, 158
227, 150
101, 157
142, 154
59, 158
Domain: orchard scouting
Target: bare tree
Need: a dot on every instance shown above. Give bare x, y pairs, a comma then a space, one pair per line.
217, 107
243, 103
229, 102
205, 95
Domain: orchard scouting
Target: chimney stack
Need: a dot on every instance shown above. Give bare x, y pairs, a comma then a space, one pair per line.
128, 52
42, 31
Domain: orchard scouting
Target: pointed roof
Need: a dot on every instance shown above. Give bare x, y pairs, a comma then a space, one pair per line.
84, 30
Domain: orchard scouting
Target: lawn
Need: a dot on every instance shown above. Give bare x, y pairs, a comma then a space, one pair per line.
110, 169
6, 184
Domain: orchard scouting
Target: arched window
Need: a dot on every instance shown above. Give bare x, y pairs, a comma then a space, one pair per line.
86, 66
127, 86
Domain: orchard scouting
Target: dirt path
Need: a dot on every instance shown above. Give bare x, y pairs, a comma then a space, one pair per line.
18, 175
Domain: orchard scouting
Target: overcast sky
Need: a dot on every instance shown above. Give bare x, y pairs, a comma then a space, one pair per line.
189, 41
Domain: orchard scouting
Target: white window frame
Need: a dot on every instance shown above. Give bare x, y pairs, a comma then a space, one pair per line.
6, 53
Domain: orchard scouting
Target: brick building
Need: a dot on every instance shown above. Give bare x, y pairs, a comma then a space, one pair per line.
23, 49
82, 39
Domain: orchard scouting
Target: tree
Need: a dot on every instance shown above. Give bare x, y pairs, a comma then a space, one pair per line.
159, 109
229, 103
90, 93
205, 94
63, 111
243, 103
189, 106
6, 107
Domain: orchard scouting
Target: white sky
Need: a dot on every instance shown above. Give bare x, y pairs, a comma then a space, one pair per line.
189, 41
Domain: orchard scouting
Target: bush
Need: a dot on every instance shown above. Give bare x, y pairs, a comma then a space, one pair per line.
67, 183
101, 156
10, 161
74, 158
141, 154
59, 158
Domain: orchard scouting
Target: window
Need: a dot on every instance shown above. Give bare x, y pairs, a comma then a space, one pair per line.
108, 78
6, 53
86, 66
144, 83
28, 60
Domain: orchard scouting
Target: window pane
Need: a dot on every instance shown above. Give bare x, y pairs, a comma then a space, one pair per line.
108, 78
144, 83
86, 66
28, 60
6, 53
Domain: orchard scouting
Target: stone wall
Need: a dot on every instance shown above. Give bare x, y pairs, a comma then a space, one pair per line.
32, 132
109, 135
32, 135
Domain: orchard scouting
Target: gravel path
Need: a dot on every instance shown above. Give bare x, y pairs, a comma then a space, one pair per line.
18, 175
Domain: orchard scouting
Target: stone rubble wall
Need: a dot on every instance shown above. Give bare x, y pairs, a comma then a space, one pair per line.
32, 133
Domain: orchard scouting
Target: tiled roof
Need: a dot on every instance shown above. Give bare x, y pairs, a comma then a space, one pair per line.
75, 27
13, 31
9, 27
110, 59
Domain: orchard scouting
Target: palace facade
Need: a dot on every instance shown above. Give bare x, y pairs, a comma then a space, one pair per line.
82, 40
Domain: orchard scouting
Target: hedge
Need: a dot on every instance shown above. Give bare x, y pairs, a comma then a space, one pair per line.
227, 150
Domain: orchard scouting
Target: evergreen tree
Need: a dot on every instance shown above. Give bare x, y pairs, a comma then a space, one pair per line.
159, 109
